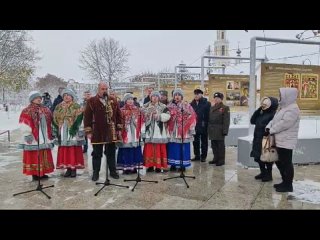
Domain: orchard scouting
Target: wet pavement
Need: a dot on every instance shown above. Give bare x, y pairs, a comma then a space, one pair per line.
228, 187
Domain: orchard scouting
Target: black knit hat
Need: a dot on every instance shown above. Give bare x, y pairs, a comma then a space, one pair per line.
198, 91
219, 95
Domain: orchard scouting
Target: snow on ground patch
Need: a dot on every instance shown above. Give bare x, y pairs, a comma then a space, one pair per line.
306, 191
7, 160
9, 121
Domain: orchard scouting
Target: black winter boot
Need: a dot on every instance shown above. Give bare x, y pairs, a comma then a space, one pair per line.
278, 185
173, 168
263, 171
73, 172
259, 176
35, 178
68, 173
196, 158
267, 177
285, 187
213, 162
95, 176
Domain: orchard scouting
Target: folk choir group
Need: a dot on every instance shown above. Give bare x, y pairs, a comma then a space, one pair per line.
150, 135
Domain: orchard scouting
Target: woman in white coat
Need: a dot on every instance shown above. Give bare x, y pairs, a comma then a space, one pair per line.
285, 128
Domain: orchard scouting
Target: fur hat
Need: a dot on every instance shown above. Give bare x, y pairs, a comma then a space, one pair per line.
219, 95
33, 95
127, 96
155, 93
69, 92
178, 91
197, 91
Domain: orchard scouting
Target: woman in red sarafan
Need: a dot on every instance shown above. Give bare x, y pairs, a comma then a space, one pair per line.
33, 120
67, 118
130, 154
154, 131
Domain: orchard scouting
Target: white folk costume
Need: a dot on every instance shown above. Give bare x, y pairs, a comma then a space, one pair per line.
35, 124
67, 118
154, 131
130, 154
177, 126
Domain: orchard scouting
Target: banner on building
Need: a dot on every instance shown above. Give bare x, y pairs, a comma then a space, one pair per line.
303, 77
235, 88
188, 87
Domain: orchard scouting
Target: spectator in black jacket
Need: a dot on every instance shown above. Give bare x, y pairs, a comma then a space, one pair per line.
201, 106
58, 99
148, 99
260, 118
46, 100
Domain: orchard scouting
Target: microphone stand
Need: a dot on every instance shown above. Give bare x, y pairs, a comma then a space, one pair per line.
182, 175
138, 179
40, 186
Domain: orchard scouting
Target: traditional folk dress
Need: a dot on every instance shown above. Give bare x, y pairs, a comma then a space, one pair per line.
67, 118
31, 118
154, 131
130, 154
175, 130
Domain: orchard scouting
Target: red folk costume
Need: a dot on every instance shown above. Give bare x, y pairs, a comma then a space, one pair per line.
67, 118
130, 154
33, 120
154, 131
132, 122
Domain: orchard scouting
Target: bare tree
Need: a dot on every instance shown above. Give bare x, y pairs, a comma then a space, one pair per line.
17, 58
105, 60
50, 83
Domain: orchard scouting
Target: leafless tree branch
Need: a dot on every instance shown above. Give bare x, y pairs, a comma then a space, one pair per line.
105, 60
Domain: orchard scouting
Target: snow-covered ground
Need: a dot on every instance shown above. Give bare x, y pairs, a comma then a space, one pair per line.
9, 120
306, 191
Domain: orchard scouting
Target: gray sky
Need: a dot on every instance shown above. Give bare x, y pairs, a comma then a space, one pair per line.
155, 50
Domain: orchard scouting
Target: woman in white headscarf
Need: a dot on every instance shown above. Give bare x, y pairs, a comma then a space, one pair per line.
130, 154
181, 128
154, 131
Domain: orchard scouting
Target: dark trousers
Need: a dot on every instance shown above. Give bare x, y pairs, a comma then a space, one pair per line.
200, 139
285, 165
218, 150
85, 146
265, 167
109, 151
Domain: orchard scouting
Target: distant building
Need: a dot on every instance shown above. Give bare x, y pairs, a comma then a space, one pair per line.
221, 48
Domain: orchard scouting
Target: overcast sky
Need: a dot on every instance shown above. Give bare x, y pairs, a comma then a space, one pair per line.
157, 49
